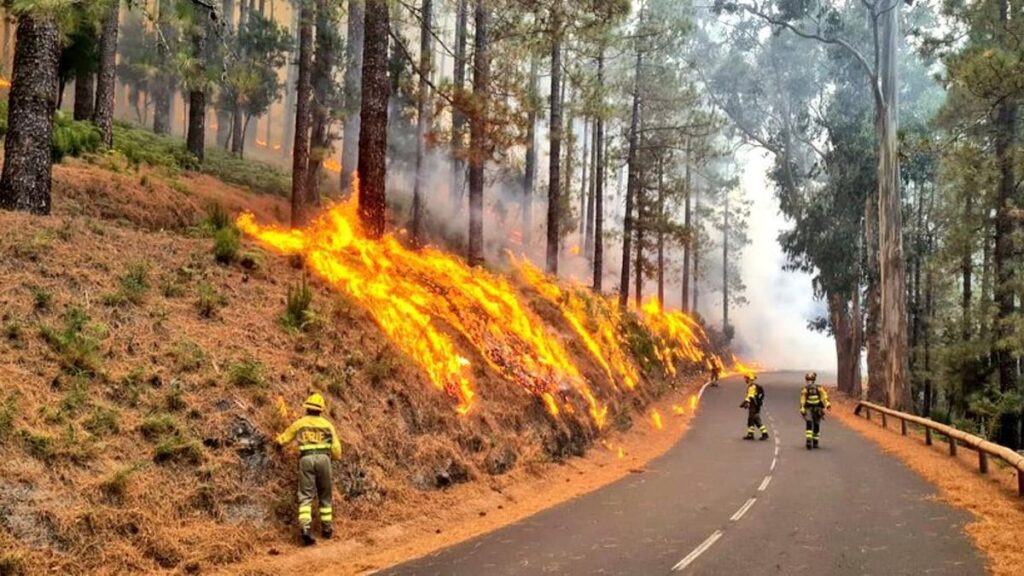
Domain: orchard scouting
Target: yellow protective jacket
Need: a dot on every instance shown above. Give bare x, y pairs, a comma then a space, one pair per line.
751, 397
812, 396
313, 434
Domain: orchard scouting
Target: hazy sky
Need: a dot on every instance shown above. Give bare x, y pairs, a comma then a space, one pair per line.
772, 328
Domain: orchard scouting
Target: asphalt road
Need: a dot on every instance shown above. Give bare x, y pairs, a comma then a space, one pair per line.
718, 505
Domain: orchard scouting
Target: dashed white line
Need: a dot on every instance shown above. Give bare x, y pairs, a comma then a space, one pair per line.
764, 484
774, 462
776, 450
743, 510
698, 551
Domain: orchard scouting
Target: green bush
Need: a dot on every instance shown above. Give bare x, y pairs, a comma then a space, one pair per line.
226, 243
209, 300
188, 356
256, 176
178, 449
134, 284
8, 410
104, 421
41, 298
247, 373
140, 146
77, 344
68, 447
298, 311
217, 217
73, 137
159, 425
116, 487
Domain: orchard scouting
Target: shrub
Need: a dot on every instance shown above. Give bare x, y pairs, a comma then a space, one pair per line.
116, 487
257, 176
298, 312
12, 330
134, 284
247, 373
77, 343
72, 137
159, 425
209, 301
69, 446
140, 146
188, 356
174, 401
129, 389
217, 218
8, 410
104, 421
226, 243
380, 368
178, 449
11, 564
41, 298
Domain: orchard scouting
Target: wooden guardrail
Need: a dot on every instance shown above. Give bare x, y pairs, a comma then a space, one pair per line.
954, 437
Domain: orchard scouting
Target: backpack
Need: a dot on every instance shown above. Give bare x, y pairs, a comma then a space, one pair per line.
759, 396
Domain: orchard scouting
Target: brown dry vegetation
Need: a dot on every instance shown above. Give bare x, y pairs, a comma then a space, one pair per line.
998, 523
141, 382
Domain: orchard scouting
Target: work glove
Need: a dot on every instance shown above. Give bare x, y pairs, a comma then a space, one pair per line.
745, 404
803, 412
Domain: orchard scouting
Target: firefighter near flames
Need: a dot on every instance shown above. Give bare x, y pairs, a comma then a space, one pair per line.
753, 402
318, 445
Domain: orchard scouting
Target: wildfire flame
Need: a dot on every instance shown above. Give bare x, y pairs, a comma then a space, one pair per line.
678, 410
413, 295
681, 336
261, 143
575, 250
332, 165
656, 419
621, 454
693, 403
5, 83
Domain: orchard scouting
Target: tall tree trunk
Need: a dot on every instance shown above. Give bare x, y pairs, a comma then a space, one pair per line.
84, 98
599, 182
290, 85
373, 122
857, 342
224, 115
584, 151
588, 231
631, 185
639, 226
695, 248
842, 334
479, 147
725, 267
661, 234
25, 183
890, 231
554, 163
530, 172
353, 92
303, 116
966, 273
423, 114
195, 139
687, 230
876, 375
103, 114
326, 59
458, 116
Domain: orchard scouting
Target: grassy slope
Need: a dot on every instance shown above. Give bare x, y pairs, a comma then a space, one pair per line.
134, 430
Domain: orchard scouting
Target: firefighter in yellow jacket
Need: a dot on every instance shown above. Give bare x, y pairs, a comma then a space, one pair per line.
318, 444
753, 402
813, 403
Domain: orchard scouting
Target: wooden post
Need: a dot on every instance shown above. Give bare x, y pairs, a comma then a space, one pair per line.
928, 436
903, 426
983, 461
868, 412
885, 421
1020, 483
952, 446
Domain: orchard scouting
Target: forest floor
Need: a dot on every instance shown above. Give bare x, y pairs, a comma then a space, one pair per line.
141, 383
992, 499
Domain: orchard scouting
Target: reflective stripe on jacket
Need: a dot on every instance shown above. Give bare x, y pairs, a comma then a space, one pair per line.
812, 396
313, 433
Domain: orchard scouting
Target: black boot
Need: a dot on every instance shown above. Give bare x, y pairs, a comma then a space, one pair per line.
764, 435
327, 531
815, 442
749, 436
808, 443
307, 538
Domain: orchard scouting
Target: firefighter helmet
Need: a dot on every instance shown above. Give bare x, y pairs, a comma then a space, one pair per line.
315, 402
811, 376
750, 377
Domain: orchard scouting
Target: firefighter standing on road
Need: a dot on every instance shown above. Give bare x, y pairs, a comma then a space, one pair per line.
318, 444
753, 402
813, 403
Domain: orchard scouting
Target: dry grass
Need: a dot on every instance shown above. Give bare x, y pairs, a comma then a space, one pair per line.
998, 512
150, 444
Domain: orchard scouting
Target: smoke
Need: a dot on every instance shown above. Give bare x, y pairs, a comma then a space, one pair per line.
772, 328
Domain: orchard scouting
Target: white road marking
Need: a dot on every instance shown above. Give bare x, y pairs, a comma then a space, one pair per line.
776, 450
774, 462
698, 551
776, 439
764, 484
743, 510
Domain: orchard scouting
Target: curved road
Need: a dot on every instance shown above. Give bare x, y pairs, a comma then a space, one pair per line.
715, 504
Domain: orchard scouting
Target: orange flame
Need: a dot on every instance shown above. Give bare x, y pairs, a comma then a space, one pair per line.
575, 250
5, 83
261, 143
332, 165
693, 403
656, 419
412, 295
681, 337
282, 407
621, 453
678, 410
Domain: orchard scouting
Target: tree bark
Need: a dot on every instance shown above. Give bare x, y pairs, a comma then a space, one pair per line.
876, 376
631, 184
554, 162
892, 265
225, 117
530, 172
599, 182
303, 117
661, 234
584, 159
478, 134
103, 113
458, 116
639, 226
353, 92
325, 62
373, 123
725, 266
195, 139
688, 231
84, 97
423, 118
695, 247
25, 182
588, 230
290, 85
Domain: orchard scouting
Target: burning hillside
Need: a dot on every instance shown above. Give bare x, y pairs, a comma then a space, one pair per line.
430, 304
